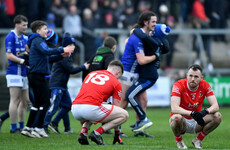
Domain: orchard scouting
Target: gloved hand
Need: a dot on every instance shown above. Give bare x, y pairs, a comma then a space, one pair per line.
198, 116
117, 138
26, 58
158, 53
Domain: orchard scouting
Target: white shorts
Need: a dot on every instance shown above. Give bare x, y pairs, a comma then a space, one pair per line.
129, 78
92, 113
190, 126
17, 81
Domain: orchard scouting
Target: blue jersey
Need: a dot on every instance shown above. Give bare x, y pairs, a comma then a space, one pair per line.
129, 59
16, 46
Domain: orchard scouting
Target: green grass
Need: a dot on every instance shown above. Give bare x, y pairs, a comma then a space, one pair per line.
163, 137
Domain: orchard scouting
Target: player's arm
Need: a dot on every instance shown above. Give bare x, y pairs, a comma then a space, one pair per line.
13, 58
175, 106
214, 107
142, 59
116, 102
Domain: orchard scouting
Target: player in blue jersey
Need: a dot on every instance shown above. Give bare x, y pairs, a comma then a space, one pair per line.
148, 75
16, 76
39, 57
134, 56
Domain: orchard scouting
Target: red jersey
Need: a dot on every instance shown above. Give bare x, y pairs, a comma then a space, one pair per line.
97, 87
191, 100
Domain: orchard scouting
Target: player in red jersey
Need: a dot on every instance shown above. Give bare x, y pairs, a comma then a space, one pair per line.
90, 104
187, 115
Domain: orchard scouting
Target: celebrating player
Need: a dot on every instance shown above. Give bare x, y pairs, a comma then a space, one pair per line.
187, 115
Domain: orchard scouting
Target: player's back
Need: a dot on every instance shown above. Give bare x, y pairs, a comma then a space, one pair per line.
97, 87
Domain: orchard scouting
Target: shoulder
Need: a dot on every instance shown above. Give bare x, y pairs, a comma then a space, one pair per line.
133, 38
204, 84
10, 35
180, 83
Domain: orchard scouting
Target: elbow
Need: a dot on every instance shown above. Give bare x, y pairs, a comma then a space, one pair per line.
141, 62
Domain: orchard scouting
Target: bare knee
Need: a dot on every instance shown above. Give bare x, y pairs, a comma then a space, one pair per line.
217, 118
176, 119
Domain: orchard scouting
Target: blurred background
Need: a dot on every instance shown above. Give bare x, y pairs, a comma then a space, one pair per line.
196, 37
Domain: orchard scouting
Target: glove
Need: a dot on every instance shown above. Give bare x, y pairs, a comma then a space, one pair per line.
198, 116
158, 53
26, 58
117, 139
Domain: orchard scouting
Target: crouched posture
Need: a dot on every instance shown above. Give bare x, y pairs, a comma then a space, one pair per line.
187, 115
88, 106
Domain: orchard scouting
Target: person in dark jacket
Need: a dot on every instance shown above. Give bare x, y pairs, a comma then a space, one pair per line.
60, 96
104, 55
39, 57
148, 75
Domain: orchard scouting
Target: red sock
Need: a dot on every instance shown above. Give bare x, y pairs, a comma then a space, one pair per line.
201, 135
84, 130
178, 138
100, 130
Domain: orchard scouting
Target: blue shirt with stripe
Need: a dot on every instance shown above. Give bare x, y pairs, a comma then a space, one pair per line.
16, 45
129, 59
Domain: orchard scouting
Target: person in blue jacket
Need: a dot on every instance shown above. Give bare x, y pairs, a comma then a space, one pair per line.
148, 75
60, 96
39, 57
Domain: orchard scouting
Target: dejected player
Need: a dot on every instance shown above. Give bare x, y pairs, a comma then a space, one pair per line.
88, 106
187, 115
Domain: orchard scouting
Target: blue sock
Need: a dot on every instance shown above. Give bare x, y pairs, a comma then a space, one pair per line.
13, 126
21, 125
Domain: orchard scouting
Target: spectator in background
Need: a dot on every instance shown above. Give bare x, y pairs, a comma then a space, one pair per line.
88, 37
201, 21
50, 21
60, 11
96, 12
7, 23
166, 18
72, 23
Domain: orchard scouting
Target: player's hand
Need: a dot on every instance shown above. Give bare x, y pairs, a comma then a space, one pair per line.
69, 49
198, 116
86, 65
117, 139
26, 58
158, 53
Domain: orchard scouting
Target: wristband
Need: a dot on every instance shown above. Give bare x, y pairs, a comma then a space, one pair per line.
22, 61
207, 111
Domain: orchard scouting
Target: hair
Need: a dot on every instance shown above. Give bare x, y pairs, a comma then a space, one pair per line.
116, 63
38, 24
195, 67
145, 16
109, 42
19, 19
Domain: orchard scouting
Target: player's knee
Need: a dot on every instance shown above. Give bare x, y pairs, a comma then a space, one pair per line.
176, 119
217, 117
126, 115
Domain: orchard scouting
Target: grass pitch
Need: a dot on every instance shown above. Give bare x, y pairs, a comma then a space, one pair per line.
163, 136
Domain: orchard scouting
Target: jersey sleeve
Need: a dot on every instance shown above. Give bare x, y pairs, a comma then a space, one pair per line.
117, 91
138, 45
176, 90
9, 44
208, 88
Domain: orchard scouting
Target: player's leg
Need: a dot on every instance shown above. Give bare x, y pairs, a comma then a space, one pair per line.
3, 117
178, 126
55, 99
140, 86
23, 107
212, 121
124, 102
13, 106
82, 139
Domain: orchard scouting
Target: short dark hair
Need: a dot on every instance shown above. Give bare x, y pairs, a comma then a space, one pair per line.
117, 63
195, 67
145, 16
109, 42
38, 24
19, 18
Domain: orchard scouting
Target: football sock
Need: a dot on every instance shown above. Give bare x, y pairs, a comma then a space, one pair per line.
201, 135
84, 131
178, 138
21, 125
13, 126
99, 131
5, 116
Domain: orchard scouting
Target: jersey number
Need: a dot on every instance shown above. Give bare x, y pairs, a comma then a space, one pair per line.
98, 79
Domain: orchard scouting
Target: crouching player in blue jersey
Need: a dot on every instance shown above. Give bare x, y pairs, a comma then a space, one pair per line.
148, 75
60, 97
